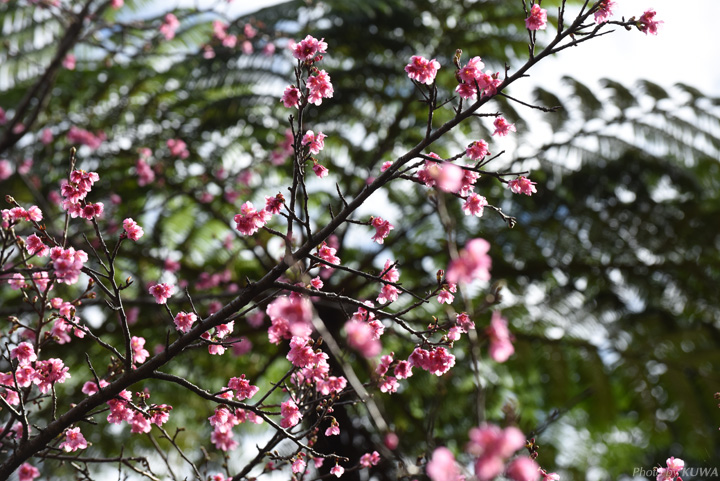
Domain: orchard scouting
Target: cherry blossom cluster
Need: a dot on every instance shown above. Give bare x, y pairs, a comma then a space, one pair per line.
318, 85
491, 447
672, 469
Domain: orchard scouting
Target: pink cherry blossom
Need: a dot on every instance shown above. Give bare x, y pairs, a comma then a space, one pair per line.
249, 220
184, 321
648, 24
551, 477
604, 11
501, 347
161, 292
492, 446
333, 430
522, 185
502, 127
140, 354
169, 26
369, 459
69, 62
291, 97
178, 148
74, 440
389, 385
5, 169
35, 246
477, 150
80, 136
442, 466
133, 230
46, 136
91, 387
320, 170
537, 19
472, 263
27, 472
327, 254
290, 316
337, 470
474, 205
116, 4
382, 229
67, 263
319, 87
308, 48
360, 338
316, 142
242, 387
298, 466
472, 70
523, 469
144, 172
290, 414
422, 70
317, 283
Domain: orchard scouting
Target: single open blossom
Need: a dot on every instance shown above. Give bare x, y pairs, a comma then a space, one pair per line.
648, 24
442, 466
316, 142
604, 11
184, 321
35, 246
523, 469
74, 440
308, 48
522, 185
320, 170
291, 97
162, 292
382, 229
422, 70
537, 19
471, 71
472, 263
24, 353
298, 466
502, 127
477, 150
474, 205
672, 469
327, 253
337, 470
169, 26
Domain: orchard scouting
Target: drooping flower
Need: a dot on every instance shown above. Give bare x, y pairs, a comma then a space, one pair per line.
337, 470
537, 20
291, 414
604, 11
647, 24
502, 127
184, 321
477, 150
382, 229
249, 220
291, 97
522, 185
319, 87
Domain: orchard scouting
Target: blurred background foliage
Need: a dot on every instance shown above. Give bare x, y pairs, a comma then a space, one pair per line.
610, 275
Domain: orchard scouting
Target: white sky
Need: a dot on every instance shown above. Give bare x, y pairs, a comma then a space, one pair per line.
684, 50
